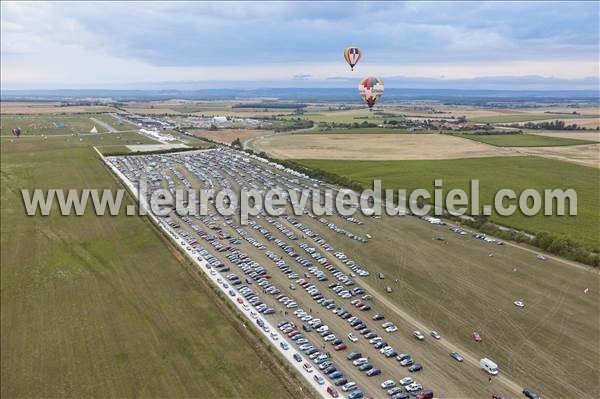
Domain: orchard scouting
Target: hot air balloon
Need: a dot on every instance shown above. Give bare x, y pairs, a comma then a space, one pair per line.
352, 56
16, 131
370, 90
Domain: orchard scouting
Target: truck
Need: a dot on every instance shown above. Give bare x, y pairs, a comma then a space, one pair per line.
489, 366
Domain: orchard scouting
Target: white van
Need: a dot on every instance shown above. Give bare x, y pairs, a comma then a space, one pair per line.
489, 366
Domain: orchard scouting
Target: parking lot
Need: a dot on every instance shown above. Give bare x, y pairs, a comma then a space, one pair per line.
292, 272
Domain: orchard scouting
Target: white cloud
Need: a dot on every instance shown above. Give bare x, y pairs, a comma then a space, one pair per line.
92, 44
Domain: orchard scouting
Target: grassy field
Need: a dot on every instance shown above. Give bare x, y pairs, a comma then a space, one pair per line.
357, 116
48, 108
371, 146
362, 130
456, 288
494, 173
35, 125
522, 118
98, 306
524, 140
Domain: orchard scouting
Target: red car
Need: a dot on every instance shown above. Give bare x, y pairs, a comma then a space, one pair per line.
476, 336
240, 300
332, 392
340, 347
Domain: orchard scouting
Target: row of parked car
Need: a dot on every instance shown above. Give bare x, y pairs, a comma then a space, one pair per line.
320, 359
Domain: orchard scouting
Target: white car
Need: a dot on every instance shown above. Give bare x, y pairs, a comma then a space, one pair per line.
391, 329
352, 337
406, 381
275, 336
414, 387
360, 360
519, 304
418, 335
388, 384
436, 335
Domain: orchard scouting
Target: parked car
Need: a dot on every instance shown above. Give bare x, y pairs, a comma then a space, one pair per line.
530, 393
418, 335
456, 356
308, 367
373, 372
319, 379
436, 335
476, 336
406, 381
388, 384
428, 394
332, 391
415, 367
358, 394
297, 357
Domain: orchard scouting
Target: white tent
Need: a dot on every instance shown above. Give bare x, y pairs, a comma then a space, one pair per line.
94, 130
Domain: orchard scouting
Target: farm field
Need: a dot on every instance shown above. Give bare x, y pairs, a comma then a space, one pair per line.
362, 130
49, 124
228, 135
32, 108
567, 134
351, 116
516, 173
454, 287
525, 118
586, 155
212, 108
525, 140
100, 305
372, 146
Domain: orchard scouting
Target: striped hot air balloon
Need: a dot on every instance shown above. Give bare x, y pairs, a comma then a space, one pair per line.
352, 56
370, 90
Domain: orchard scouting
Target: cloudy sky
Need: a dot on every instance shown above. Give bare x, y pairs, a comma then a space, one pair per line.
118, 44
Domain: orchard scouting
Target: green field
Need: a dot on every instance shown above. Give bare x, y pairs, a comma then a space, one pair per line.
523, 140
362, 130
341, 117
522, 118
34, 125
516, 173
99, 306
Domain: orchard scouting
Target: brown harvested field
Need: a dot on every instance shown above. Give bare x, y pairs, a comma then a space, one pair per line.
228, 135
567, 134
587, 155
375, 147
49, 108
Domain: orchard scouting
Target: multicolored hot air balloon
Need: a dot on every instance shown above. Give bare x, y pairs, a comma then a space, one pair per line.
352, 56
370, 90
16, 131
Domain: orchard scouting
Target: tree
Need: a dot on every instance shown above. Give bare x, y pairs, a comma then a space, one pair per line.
236, 143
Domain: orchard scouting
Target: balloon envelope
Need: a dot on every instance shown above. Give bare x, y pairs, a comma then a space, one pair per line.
370, 90
352, 56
